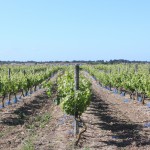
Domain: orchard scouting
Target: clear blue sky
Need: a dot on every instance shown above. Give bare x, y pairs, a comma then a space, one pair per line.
74, 29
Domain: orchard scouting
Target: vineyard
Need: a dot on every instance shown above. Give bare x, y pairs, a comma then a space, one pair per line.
88, 107
132, 79
22, 79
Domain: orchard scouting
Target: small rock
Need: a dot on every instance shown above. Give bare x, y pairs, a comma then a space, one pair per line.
22, 133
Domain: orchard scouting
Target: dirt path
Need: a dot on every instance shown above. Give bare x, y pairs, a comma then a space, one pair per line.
113, 124
38, 124
34, 124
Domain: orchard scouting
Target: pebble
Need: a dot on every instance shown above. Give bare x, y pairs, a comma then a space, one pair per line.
22, 133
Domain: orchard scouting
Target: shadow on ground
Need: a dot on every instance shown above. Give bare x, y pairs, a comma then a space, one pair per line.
21, 115
124, 130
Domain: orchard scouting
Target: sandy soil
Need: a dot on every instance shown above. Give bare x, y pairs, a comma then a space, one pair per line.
37, 123
113, 123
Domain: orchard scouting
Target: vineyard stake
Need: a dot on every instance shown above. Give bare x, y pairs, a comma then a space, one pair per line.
118, 70
76, 79
9, 76
136, 68
9, 70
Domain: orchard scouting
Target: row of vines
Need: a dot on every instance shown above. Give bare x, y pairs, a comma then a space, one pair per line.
73, 102
132, 78
23, 79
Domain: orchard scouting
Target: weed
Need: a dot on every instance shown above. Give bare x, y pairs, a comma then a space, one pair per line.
28, 145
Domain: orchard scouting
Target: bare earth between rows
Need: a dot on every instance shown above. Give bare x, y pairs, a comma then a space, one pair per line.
111, 124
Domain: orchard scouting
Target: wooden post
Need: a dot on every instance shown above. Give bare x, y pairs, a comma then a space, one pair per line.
9, 71
136, 71
110, 83
110, 71
76, 79
24, 72
9, 76
136, 68
119, 70
127, 68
